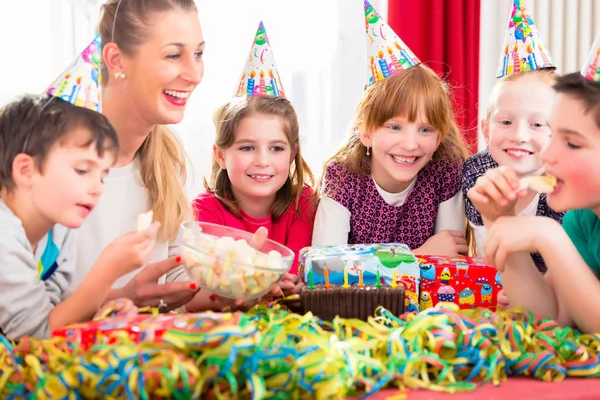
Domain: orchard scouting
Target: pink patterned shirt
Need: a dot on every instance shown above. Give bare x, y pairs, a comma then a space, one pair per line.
374, 221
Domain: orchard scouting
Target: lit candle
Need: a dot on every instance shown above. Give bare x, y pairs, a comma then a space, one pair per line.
408, 59
394, 284
383, 65
395, 63
373, 69
516, 60
250, 89
378, 280
273, 83
63, 86
262, 86
75, 91
327, 284
311, 284
345, 285
505, 65
360, 279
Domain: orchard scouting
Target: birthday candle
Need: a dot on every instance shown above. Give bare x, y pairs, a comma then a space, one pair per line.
395, 63
263, 91
530, 59
311, 284
516, 61
378, 280
76, 89
373, 69
273, 83
505, 66
360, 279
63, 86
345, 285
327, 284
72, 96
383, 65
250, 89
394, 284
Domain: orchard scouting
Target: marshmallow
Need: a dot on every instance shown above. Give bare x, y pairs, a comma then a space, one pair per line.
232, 268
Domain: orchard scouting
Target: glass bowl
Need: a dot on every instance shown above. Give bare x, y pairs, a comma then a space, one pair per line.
219, 259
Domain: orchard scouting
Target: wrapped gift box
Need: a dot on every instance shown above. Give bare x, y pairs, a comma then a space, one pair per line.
346, 263
469, 282
149, 328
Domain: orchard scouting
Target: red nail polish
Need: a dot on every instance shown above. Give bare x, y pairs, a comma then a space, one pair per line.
193, 286
213, 297
178, 259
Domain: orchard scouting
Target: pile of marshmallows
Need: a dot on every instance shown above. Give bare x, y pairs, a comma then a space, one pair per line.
232, 268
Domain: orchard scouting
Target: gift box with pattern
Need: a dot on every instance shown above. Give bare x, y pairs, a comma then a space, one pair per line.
149, 328
350, 264
469, 282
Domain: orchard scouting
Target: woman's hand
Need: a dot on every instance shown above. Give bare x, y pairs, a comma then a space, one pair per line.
144, 290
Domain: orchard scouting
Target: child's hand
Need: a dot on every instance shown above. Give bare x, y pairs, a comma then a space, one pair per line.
118, 307
517, 234
503, 302
130, 252
259, 237
290, 284
445, 243
496, 192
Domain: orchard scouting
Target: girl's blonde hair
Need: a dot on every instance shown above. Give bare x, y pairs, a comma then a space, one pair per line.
163, 160
548, 76
409, 93
227, 120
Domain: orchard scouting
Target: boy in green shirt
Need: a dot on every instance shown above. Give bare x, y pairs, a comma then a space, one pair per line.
570, 291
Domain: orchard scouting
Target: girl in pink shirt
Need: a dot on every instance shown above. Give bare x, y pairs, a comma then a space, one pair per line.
259, 177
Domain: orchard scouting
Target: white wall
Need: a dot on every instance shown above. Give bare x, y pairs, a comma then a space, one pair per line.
568, 27
319, 47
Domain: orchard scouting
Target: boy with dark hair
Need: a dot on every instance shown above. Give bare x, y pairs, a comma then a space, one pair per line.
53, 157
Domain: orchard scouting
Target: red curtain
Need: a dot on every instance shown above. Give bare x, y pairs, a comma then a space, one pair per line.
444, 34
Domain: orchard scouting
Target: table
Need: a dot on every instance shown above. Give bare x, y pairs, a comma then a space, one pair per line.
513, 389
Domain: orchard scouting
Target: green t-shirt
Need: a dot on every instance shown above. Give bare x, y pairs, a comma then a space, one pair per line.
583, 227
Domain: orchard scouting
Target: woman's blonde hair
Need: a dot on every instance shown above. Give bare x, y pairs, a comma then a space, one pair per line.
227, 120
409, 93
162, 156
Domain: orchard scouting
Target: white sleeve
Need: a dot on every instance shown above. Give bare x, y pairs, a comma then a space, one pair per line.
451, 215
332, 223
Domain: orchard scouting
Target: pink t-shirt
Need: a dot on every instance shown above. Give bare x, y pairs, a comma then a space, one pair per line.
293, 229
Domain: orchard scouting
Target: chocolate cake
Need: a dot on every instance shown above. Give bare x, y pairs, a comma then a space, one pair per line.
352, 302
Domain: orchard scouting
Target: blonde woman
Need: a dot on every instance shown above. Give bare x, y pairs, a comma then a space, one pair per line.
152, 62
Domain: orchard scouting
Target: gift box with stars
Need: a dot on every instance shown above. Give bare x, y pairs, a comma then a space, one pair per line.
468, 282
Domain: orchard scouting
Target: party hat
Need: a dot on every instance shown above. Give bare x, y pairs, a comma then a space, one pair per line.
260, 76
591, 68
386, 52
79, 84
523, 48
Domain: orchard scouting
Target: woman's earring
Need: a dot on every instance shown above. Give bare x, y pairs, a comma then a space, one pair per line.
368, 151
120, 75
